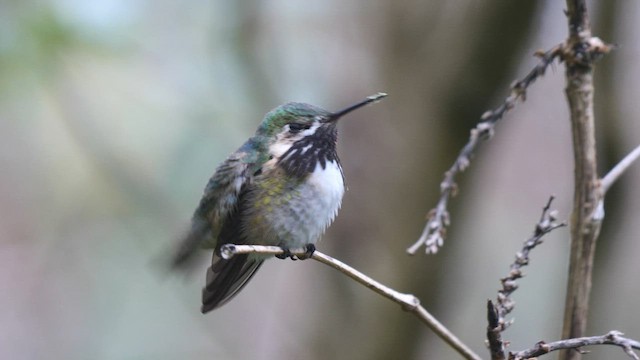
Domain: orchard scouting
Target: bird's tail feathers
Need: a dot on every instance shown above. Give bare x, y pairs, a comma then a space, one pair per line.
182, 258
225, 278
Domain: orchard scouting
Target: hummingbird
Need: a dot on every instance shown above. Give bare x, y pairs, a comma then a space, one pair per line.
282, 187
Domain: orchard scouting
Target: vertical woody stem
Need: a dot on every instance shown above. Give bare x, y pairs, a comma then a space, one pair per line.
585, 219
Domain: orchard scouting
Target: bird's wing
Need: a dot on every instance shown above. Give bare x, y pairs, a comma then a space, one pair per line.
219, 202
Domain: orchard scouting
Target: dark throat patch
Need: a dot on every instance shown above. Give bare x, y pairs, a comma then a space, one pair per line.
319, 147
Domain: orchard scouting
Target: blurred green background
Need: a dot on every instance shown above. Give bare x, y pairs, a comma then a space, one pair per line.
113, 115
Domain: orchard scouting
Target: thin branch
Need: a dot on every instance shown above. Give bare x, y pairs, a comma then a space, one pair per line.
612, 338
504, 304
619, 169
438, 218
408, 302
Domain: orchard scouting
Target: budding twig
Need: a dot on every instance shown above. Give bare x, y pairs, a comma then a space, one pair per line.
438, 219
504, 304
612, 338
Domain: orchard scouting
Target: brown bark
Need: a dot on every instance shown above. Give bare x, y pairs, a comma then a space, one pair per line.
585, 222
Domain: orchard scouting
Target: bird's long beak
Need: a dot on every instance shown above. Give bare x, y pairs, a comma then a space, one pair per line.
369, 100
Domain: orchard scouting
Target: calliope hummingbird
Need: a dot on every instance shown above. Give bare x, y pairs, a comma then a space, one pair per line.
282, 187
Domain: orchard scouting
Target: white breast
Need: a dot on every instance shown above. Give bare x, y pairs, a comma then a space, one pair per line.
329, 184
304, 216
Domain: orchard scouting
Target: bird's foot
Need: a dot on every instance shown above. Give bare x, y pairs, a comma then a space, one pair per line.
286, 253
311, 248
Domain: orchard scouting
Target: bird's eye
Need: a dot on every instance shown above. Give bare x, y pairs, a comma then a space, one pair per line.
295, 127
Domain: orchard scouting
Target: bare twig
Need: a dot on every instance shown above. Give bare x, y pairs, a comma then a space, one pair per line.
612, 338
579, 53
504, 304
619, 169
408, 302
438, 218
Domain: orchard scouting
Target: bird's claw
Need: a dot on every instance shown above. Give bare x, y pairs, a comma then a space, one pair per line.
311, 248
286, 253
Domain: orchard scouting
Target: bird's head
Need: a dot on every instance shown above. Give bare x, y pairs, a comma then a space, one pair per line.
293, 122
